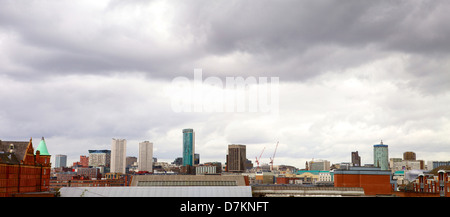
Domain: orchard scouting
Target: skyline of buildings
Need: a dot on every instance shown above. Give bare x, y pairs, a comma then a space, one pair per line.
380, 153
103, 158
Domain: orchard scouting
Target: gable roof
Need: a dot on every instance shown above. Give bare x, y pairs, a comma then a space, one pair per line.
20, 148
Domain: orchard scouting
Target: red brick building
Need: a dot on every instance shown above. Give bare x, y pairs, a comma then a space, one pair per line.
438, 185
373, 180
23, 169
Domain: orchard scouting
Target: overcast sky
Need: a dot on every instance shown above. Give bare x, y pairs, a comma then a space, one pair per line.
351, 73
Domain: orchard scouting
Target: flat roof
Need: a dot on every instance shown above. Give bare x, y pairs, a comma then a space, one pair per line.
165, 180
169, 191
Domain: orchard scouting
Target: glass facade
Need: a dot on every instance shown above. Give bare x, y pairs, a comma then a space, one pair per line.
380, 156
188, 147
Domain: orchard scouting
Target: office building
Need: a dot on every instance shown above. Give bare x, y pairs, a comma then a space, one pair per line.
100, 158
188, 147
84, 161
319, 165
435, 164
356, 159
380, 156
118, 156
145, 160
60, 161
236, 158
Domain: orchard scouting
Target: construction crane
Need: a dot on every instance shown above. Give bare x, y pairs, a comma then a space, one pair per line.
257, 159
273, 157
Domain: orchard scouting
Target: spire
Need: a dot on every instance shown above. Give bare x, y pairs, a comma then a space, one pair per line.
42, 148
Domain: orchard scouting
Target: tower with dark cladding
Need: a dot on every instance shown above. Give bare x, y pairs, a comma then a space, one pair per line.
381, 156
188, 147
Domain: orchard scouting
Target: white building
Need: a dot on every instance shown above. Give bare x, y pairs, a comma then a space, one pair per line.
118, 155
145, 160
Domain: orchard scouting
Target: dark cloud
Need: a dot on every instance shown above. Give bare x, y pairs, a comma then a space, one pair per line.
308, 38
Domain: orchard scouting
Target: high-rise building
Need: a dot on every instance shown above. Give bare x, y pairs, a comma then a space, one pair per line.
188, 147
100, 158
356, 159
60, 160
380, 156
145, 160
236, 158
118, 155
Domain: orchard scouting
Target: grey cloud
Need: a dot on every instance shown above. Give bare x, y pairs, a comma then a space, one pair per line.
91, 40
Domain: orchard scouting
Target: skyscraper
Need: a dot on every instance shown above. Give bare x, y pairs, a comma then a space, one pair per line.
60, 160
118, 155
380, 156
356, 159
188, 147
145, 160
236, 158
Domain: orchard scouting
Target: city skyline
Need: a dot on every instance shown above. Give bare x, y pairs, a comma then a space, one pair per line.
343, 76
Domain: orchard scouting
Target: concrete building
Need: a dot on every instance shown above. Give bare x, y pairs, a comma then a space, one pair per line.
100, 158
145, 160
435, 164
118, 156
356, 159
403, 165
60, 160
319, 165
188, 147
381, 156
236, 158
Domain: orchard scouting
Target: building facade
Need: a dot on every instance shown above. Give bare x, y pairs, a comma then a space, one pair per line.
60, 161
145, 160
356, 159
381, 156
409, 155
236, 158
23, 169
188, 147
118, 156
100, 158
319, 165
373, 180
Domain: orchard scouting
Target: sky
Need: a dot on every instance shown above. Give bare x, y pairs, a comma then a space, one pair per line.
331, 77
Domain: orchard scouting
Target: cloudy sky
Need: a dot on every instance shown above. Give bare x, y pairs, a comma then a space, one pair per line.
351, 73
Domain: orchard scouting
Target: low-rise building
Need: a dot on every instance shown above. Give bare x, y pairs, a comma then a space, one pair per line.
373, 180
